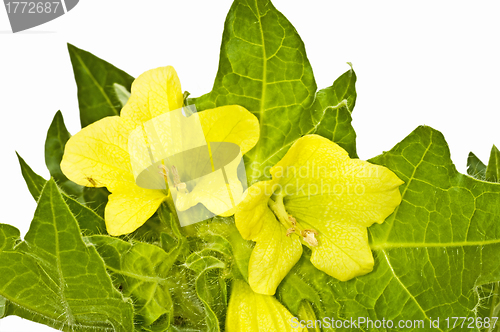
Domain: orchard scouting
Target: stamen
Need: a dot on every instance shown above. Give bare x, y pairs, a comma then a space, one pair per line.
164, 171
175, 173
290, 223
181, 186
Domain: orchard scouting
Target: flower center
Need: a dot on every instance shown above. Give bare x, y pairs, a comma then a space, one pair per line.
180, 186
290, 223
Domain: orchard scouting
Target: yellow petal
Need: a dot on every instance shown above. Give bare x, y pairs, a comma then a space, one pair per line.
220, 191
249, 216
213, 192
97, 156
130, 207
343, 251
273, 256
232, 124
251, 312
154, 92
322, 183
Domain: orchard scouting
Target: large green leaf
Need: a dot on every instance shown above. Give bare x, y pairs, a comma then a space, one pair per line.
57, 136
263, 67
54, 278
431, 255
95, 80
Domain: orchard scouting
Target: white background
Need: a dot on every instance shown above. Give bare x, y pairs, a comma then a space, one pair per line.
418, 62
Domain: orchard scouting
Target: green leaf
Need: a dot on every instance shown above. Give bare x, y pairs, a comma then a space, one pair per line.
306, 283
189, 312
431, 254
211, 288
96, 199
121, 93
9, 236
306, 313
493, 169
442, 242
90, 223
141, 270
221, 235
95, 78
175, 244
54, 278
490, 302
3, 306
34, 181
263, 67
475, 167
220, 254
331, 113
57, 136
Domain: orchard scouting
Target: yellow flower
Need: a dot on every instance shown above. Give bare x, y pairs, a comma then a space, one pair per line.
320, 198
252, 312
98, 155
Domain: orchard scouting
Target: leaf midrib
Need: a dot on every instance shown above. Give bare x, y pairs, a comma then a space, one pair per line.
416, 245
67, 309
264, 80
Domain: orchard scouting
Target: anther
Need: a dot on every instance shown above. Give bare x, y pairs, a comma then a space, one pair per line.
164, 171
309, 237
